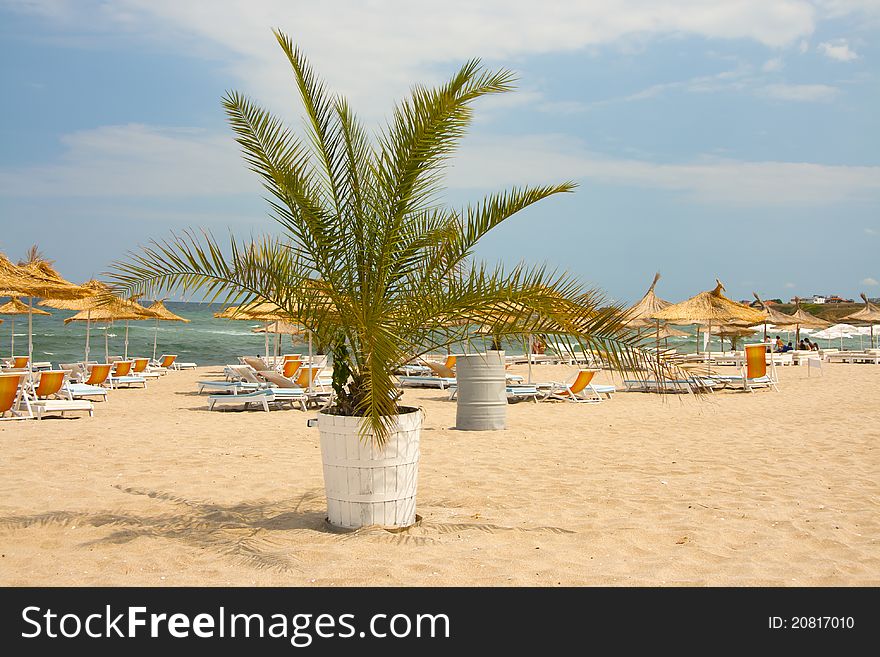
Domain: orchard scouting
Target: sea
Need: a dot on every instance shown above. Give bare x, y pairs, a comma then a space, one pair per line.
206, 340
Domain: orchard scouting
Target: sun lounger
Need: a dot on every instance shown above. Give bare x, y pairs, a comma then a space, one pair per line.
755, 373
261, 397
853, 357
165, 363
231, 387
120, 375
581, 389
80, 390
141, 367
46, 391
12, 397
696, 384
93, 385
514, 392
284, 388
441, 382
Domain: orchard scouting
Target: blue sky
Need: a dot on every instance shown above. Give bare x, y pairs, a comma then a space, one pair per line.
736, 140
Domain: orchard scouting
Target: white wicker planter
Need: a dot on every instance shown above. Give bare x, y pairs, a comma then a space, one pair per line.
366, 485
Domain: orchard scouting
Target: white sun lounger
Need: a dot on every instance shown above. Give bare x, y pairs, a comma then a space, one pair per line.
80, 390
441, 382
263, 397
41, 407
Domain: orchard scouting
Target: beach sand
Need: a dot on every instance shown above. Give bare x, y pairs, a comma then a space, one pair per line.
732, 489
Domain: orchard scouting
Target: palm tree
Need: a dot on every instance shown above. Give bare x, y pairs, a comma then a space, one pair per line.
368, 259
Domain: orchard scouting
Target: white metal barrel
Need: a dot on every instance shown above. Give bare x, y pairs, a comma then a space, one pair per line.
482, 394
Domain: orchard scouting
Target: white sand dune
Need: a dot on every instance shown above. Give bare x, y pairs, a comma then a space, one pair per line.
732, 489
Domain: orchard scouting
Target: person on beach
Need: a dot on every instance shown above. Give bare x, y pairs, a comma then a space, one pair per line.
779, 344
803, 346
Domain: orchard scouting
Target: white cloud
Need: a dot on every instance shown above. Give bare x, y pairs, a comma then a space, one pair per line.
136, 160
838, 50
489, 163
373, 51
803, 47
773, 65
806, 93
790, 286
870, 281
871, 231
143, 161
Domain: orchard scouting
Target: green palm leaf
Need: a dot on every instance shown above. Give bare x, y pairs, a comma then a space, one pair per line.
368, 259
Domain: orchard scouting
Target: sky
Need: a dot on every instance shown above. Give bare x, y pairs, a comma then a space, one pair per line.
735, 140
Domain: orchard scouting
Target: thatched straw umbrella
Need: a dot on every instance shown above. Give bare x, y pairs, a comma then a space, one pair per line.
15, 307
870, 315
264, 311
95, 288
110, 309
162, 314
732, 331
805, 320
280, 327
100, 293
641, 314
36, 278
774, 317
710, 307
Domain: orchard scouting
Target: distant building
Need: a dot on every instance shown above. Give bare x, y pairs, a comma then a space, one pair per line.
822, 298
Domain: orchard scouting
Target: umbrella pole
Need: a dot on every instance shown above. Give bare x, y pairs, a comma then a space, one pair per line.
125, 356
30, 334
530, 357
88, 326
267, 342
12, 347
155, 338
311, 369
107, 342
709, 334
658, 349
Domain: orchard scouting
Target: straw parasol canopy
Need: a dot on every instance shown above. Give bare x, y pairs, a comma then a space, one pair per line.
260, 312
36, 278
162, 314
280, 327
641, 313
710, 307
667, 332
870, 314
97, 290
263, 311
806, 320
110, 309
15, 307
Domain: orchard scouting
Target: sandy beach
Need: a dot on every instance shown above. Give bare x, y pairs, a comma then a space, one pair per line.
732, 489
